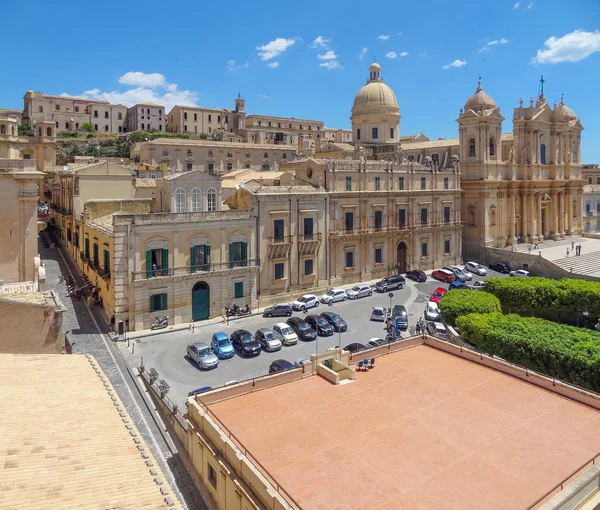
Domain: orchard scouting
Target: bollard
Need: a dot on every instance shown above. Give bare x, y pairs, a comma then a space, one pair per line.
132, 348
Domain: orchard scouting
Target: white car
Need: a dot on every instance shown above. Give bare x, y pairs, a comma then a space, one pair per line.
285, 334
436, 329
479, 284
334, 295
305, 302
359, 291
476, 268
520, 273
432, 311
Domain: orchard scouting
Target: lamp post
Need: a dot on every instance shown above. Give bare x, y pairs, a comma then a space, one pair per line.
582, 306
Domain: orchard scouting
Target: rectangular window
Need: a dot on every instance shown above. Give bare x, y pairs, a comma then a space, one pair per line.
158, 302
349, 217
212, 475
378, 256
378, 220
392, 133
377, 183
86, 250
308, 266
349, 259
41, 109
238, 254
95, 261
195, 116
423, 215
157, 262
120, 116
348, 183
446, 183
278, 270
423, 182
200, 258
278, 230
401, 219
106, 264
184, 115
308, 228
69, 231
400, 183
211, 168
375, 133
96, 114
57, 107
238, 290
446, 246
209, 118
447, 214
189, 166
358, 134
106, 115
424, 249
106, 128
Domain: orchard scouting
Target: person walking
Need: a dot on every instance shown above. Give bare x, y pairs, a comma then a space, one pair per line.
572, 245
567, 252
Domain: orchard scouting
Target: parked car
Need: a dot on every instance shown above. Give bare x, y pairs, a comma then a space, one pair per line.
376, 342
458, 286
476, 268
285, 334
320, 325
437, 295
267, 339
222, 346
302, 328
335, 320
479, 284
400, 315
520, 273
395, 281
280, 365
355, 347
443, 275
245, 342
201, 354
359, 291
432, 311
436, 329
278, 310
499, 267
378, 314
333, 296
305, 302
300, 361
460, 274
416, 275
199, 390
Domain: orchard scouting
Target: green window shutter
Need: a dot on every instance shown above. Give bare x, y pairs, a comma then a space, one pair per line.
231, 254
207, 256
87, 248
163, 301
193, 259
151, 303
165, 261
148, 265
239, 289
245, 254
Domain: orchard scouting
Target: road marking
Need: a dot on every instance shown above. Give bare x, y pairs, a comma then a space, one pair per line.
414, 293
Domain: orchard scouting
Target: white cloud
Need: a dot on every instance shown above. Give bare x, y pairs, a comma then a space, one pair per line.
517, 5
383, 37
143, 79
530, 5
273, 65
321, 42
232, 66
489, 44
262, 96
456, 63
331, 64
362, 53
572, 47
274, 48
391, 54
404, 54
424, 54
330, 55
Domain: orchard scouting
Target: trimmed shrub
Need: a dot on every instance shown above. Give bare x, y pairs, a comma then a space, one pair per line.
564, 352
463, 302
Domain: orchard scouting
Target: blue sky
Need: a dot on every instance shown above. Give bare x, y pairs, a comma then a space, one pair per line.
308, 60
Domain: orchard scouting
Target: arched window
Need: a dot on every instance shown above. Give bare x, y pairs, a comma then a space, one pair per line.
211, 199
492, 146
48, 131
229, 155
179, 200
229, 167
210, 154
284, 156
471, 146
265, 168
2, 129
265, 155
196, 200
189, 152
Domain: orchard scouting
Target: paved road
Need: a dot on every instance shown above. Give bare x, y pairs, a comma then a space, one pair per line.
166, 353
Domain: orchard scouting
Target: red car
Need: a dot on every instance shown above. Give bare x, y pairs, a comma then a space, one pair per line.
443, 275
438, 294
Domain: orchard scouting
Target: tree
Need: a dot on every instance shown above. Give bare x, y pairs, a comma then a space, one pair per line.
88, 127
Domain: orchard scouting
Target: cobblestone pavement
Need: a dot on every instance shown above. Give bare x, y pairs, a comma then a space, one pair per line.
87, 335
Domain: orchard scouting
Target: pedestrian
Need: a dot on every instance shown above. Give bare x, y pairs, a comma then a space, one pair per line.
579, 249
567, 252
572, 245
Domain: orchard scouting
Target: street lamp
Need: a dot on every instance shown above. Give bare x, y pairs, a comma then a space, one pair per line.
582, 305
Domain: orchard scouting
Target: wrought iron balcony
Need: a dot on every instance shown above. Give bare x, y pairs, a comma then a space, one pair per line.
196, 269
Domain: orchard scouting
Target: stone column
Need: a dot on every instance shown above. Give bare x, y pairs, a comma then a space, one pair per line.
555, 228
569, 212
512, 198
524, 216
561, 217
540, 232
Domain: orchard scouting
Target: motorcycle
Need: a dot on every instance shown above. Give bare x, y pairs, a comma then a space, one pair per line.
160, 323
232, 311
243, 311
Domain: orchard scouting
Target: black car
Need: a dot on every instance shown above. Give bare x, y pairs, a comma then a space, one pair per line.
355, 347
302, 328
399, 314
322, 327
278, 310
335, 320
500, 267
245, 343
416, 275
280, 365
395, 281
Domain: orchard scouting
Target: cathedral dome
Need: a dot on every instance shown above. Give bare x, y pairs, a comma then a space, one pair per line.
567, 113
375, 96
480, 101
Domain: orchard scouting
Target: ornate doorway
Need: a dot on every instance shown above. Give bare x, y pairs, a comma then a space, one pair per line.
544, 214
200, 301
401, 257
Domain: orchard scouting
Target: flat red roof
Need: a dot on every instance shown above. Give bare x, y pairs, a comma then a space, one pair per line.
423, 429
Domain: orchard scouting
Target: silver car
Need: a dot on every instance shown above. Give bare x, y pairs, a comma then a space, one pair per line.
378, 314
359, 291
201, 354
476, 268
432, 311
267, 339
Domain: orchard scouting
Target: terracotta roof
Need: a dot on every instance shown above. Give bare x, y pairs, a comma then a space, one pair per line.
269, 190
210, 143
444, 142
145, 183
66, 445
251, 175
102, 224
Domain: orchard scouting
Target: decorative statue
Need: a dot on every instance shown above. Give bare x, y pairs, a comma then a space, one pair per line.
511, 155
531, 101
569, 157
521, 102
525, 154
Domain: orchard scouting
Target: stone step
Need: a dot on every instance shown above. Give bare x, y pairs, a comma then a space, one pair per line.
588, 263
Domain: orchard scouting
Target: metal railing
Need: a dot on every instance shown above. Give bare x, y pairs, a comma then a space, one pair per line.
279, 239
189, 217
393, 228
201, 268
307, 238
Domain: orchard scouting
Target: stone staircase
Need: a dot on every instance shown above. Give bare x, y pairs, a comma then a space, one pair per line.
588, 263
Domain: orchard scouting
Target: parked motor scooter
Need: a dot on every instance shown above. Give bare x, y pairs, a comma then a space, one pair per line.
160, 323
244, 310
232, 311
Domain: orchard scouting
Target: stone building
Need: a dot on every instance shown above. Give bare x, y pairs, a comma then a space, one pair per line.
41, 147
197, 120
145, 117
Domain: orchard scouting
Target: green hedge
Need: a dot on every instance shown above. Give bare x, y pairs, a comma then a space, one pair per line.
543, 295
463, 302
563, 352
